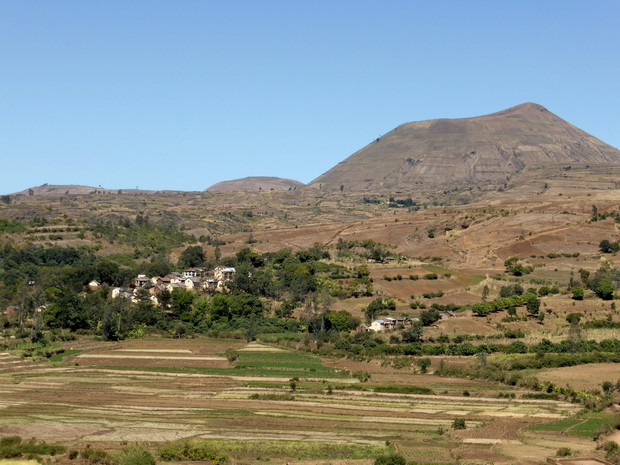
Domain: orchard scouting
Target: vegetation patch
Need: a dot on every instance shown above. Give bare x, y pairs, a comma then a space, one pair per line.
219, 451
403, 389
61, 355
12, 447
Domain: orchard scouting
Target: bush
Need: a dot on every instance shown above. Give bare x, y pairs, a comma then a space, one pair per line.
564, 452
611, 447
135, 455
192, 451
12, 447
10, 441
362, 376
391, 459
458, 423
93, 456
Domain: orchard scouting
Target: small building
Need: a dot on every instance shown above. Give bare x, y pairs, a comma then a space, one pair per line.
93, 285
141, 280
192, 283
193, 272
223, 273
11, 310
120, 292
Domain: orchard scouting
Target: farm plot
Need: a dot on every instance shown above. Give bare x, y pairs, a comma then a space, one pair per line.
251, 401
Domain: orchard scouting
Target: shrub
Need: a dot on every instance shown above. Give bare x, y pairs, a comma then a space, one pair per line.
361, 375
136, 454
564, 452
93, 456
10, 441
191, 450
391, 459
611, 447
458, 423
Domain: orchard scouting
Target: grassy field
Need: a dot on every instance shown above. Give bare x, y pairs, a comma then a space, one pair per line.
588, 426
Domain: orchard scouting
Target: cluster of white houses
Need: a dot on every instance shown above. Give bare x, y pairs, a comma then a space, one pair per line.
190, 279
386, 323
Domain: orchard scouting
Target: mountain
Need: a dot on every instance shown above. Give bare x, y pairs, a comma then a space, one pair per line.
256, 183
457, 152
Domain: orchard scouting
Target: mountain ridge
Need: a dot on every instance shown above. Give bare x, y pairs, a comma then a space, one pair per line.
482, 149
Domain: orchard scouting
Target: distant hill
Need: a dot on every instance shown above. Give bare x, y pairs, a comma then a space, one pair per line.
445, 152
255, 183
58, 189
72, 189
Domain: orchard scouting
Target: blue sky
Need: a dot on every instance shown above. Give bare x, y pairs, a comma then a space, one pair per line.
181, 95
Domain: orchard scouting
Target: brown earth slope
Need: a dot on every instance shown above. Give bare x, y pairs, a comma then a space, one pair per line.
255, 183
455, 152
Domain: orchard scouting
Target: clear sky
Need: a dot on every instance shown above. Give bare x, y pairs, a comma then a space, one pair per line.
184, 94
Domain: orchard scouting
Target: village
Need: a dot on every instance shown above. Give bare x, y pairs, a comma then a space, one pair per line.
197, 279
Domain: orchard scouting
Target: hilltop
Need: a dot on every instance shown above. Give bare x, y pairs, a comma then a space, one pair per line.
460, 152
255, 183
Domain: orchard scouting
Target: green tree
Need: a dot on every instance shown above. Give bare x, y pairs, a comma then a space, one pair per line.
604, 288
413, 334
605, 246
608, 387
342, 321
373, 309
424, 363
192, 256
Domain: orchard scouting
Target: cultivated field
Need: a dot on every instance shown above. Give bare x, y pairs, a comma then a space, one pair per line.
109, 394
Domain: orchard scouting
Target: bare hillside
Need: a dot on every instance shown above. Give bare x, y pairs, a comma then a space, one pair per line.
458, 152
255, 183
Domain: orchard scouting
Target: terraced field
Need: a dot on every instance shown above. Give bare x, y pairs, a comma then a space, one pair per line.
163, 390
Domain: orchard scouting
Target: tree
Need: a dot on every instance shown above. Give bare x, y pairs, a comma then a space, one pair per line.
424, 363
428, 317
192, 256
608, 387
31, 299
515, 268
363, 271
485, 293
574, 336
374, 308
604, 288
413, 334
342, 321
532, 303
604, 246
578, 293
